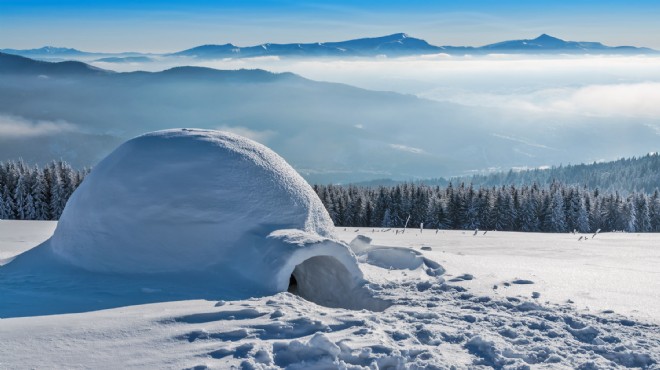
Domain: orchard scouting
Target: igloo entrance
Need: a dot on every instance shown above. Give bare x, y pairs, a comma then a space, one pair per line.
325, 281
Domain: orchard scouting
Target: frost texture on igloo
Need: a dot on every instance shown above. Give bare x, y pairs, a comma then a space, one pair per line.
211, 207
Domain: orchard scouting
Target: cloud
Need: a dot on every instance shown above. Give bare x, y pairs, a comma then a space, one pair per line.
639, 100
258, 136
630, 100
405, 148
12, 127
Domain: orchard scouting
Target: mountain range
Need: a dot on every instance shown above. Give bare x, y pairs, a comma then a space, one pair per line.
329, 132
399, 44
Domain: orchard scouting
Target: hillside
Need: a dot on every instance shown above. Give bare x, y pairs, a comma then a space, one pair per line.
641, 174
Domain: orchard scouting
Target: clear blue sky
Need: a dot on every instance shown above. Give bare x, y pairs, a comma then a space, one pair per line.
169, 25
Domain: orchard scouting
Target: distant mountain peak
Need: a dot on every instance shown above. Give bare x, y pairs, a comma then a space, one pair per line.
546, 37
46, 50
395, 36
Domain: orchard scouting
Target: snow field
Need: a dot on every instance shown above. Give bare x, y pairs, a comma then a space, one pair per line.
17, 237
432, 324
617, 272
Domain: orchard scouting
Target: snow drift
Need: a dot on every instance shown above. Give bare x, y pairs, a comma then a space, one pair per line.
205, 210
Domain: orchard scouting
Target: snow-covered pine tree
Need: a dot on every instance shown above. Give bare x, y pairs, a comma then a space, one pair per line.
4, 213
629, 215
557, 218
654, 211
8, 204
38, 193
529, 220
643, 222
30, 212
20, 198
387, 219
57, 194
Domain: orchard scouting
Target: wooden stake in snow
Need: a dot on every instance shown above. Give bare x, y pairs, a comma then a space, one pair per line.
406, 225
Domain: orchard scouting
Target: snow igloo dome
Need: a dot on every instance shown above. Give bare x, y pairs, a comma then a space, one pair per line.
199, 201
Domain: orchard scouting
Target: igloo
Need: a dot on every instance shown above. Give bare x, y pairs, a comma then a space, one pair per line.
208, 206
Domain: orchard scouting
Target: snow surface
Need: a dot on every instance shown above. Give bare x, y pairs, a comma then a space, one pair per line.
433, 324
17, 237
611, 271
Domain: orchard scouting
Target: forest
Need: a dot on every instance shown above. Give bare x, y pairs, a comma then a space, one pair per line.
40, 193
625, 175
554, 208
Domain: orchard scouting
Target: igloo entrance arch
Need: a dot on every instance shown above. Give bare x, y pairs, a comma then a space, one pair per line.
322, 280
325, 272
327, 282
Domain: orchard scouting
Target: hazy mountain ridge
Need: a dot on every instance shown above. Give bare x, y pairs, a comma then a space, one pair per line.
548, 44
329, 132
398, 44
641, 174
15, 64
625, 175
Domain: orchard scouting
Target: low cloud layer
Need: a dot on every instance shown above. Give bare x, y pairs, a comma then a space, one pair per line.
595, 86
632, 100
17, 127
629, 100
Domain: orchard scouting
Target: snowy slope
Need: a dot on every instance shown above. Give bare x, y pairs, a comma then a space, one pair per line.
431, 325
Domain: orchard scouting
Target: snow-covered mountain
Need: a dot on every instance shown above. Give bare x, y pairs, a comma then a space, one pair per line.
392, 45
549, 44
398, 44
46, 50
55, 54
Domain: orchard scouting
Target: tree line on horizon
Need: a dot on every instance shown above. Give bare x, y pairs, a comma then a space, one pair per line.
41, 193
556, 208
625, 175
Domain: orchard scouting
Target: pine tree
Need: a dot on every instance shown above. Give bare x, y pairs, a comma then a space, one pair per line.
557, 218
38, 193
387, 219
529, 220
30, 212
629, 216
583, 219
4, 213
8, 206
643, 221
20, 198
654, 211
57, 199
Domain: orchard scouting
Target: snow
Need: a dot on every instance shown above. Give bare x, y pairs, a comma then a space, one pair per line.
16, 237
611, 271
431, 324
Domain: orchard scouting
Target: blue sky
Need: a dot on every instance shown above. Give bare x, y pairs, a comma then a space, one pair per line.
171, 25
